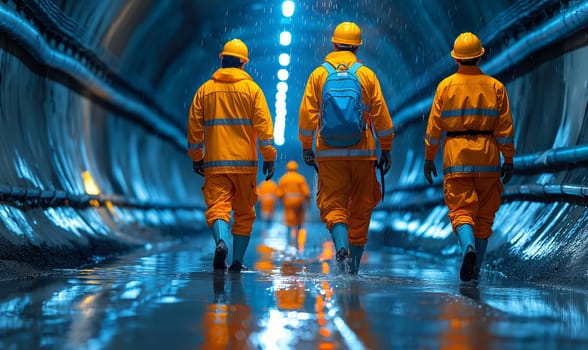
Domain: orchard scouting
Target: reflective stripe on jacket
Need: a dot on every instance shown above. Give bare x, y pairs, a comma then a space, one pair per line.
378, 115
229, 113
474, 109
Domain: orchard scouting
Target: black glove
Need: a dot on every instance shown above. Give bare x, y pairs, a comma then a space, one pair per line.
506, 172
430, 168
198, 167
308, 156
268, 169
385, 162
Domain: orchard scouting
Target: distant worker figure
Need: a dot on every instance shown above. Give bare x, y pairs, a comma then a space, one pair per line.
267, 199
228, 115
343, 106
474, 112
294, 193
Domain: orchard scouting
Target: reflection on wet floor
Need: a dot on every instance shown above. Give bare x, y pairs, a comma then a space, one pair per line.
170, 298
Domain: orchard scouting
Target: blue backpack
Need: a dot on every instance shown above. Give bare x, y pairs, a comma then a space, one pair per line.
342, 122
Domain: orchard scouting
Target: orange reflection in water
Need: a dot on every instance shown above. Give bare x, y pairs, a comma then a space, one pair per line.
227, 321
301, 240
264, 261
289, 292
215, 321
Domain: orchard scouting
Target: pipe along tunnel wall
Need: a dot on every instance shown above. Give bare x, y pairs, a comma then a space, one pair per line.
91, 167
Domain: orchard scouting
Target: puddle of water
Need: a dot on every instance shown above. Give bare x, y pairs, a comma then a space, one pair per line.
171, 298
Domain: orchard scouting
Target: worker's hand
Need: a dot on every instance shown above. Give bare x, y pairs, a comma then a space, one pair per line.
430, 168
385, 162
268, 169
506, 172
308, 156
198, 167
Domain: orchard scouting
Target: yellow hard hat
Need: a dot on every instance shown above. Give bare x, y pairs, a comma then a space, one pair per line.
347, 33
236, 48
292, 165
467, 46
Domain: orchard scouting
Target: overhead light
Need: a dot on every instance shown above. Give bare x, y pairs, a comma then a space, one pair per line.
281, 105
283, 74
279, 128
288, 8
285, 38
284, 59
282, 87
280, 96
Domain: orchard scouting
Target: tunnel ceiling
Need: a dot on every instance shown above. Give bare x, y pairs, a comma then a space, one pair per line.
166, 49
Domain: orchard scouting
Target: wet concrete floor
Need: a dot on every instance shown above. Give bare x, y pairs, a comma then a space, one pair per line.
168, 297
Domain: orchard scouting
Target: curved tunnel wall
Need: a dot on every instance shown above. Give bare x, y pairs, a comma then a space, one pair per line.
82, 177
60, 129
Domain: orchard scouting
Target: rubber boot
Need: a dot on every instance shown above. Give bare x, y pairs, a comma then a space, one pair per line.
240, 244
481, 245
355, 253
339, 235
220, 230
466, 238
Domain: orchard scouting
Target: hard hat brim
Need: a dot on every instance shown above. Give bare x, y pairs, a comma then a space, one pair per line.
242, 58
467, 57
346, 42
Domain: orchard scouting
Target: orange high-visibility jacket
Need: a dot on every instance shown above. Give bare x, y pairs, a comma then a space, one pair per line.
293, 189
228, 115
471, 101
377, 113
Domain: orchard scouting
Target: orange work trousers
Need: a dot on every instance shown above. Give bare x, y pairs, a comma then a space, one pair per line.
348, 192
473, 200
294, 215
224, 193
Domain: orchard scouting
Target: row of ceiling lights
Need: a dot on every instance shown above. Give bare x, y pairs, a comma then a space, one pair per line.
283, 74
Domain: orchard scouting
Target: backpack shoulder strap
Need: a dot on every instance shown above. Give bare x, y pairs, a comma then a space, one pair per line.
354, 67
353, 70
328, 67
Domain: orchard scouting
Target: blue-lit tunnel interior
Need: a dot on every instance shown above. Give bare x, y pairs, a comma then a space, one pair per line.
95, 98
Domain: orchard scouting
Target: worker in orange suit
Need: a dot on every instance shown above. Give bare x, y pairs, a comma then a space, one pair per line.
229, 119
267, 199
348, 189
294, 193
473, 111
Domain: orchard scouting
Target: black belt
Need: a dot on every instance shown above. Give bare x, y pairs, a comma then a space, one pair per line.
470, 133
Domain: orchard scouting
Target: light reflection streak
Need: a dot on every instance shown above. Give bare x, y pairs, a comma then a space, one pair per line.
15, 221
92, 305
277, 334
68, 219
352, 340
547, 241
24, 171
11, 311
